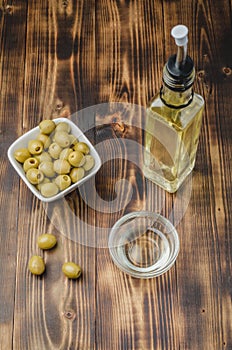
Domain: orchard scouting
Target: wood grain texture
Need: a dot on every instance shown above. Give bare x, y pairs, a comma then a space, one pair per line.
62, 58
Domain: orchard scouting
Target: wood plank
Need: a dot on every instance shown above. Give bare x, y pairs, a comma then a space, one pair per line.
51, 311
12, 38
125, 304
203, 294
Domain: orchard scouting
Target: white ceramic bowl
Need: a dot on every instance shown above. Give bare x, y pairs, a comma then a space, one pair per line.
22, 142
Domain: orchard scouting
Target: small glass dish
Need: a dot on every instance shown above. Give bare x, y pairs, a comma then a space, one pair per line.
144, 244
22, 142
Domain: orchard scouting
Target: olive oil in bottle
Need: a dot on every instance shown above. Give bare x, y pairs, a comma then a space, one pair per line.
173, 121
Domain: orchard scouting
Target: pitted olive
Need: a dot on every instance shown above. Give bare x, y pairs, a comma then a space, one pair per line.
76, 158
30, 163
45, 139
47, 126
35, 147
22, 154
77, 174
62, 126
47, 168
34, 176
61, 166
82, 147
54, 150
62, 139
63, 181
45, 181
73, 140
65, 153
44, 157
89, 162
49, 189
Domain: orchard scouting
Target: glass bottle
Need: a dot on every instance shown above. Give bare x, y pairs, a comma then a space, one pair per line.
173, 121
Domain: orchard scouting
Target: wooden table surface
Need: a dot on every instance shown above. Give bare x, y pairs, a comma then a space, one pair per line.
60, 57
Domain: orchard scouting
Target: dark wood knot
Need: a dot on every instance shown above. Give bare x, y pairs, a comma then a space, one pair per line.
201, 74
7, 9
59, 105
65, 3
226, 70
70, 315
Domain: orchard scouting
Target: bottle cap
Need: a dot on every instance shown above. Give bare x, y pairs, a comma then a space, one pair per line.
179, 71
180, 34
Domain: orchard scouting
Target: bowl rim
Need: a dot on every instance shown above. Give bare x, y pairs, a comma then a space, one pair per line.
18, 167
139, 273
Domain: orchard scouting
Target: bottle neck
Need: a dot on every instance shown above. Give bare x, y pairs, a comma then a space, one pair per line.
176, 99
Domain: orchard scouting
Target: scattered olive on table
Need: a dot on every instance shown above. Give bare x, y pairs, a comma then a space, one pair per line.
46, 241
71, 270
55, 159
36, 265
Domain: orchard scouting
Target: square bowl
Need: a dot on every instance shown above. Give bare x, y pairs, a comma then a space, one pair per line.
22, 142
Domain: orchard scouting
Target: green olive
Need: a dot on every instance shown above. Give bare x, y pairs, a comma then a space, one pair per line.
71, 270
77, 174
54, 150
35, 146
82, 147
89, 162
30, 163
63, 182
61, 166
47, 168
73, 140
45, 181
34, 176
76, 158
45, 139
49, 189
36, 265
62, 126
22, 154
65, 153
44, 157
46, 241
47, 126
62, 139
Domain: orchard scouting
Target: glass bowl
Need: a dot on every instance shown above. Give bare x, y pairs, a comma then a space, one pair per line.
144, 244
